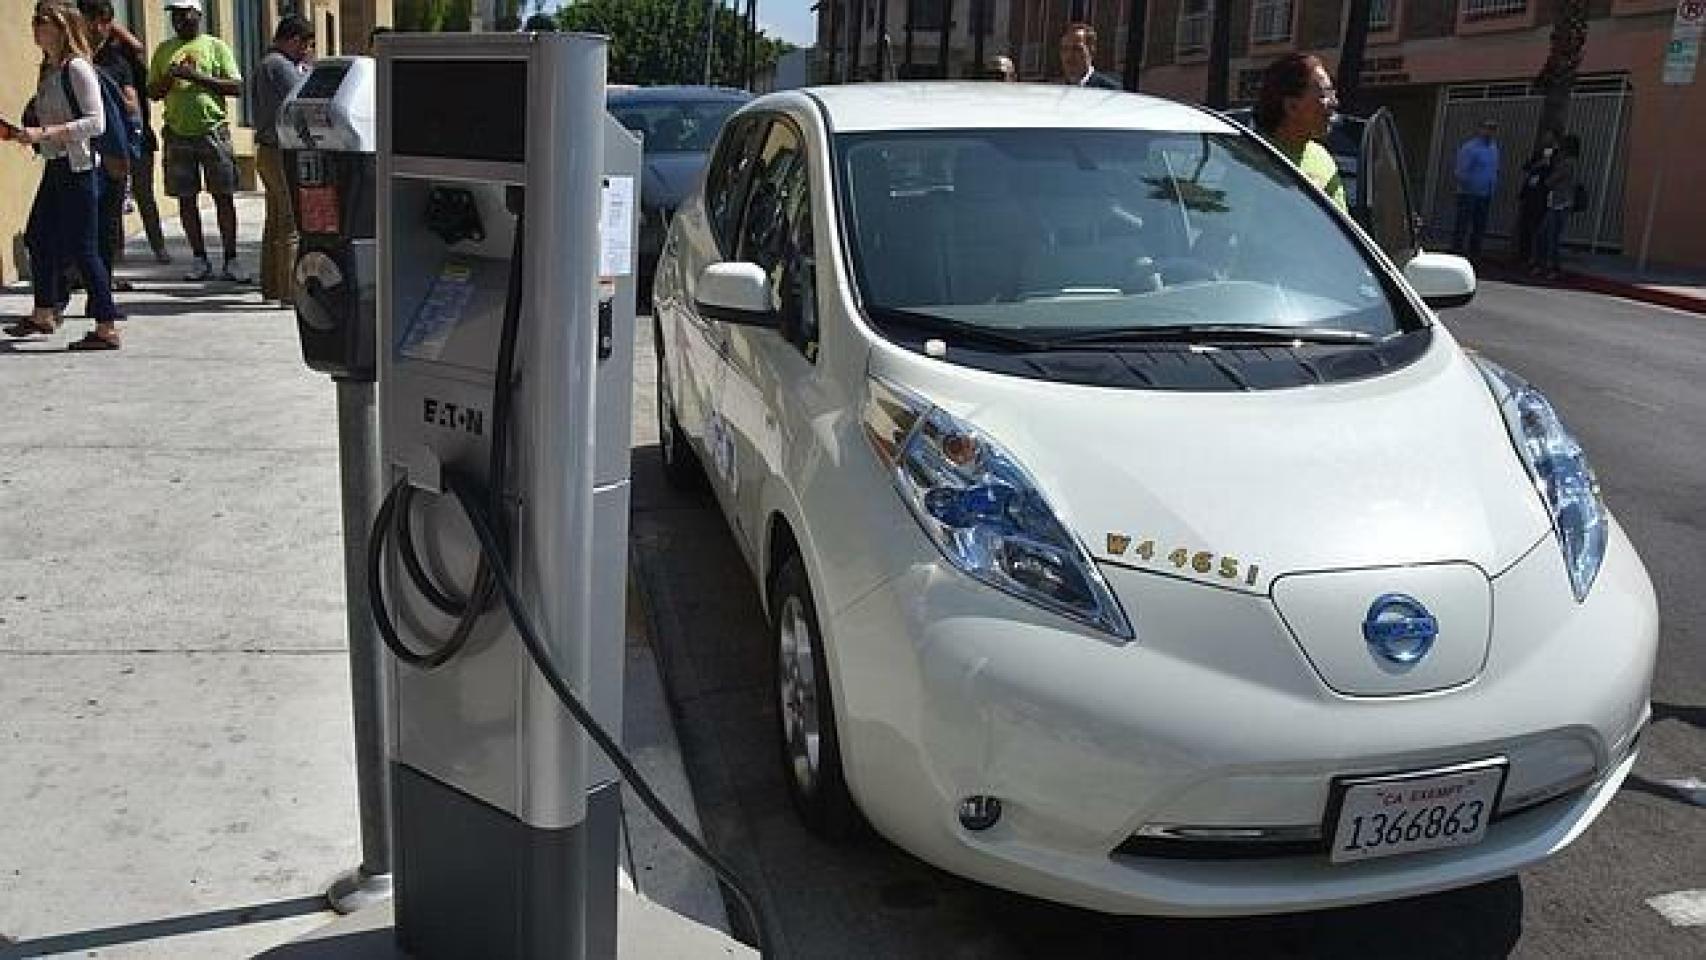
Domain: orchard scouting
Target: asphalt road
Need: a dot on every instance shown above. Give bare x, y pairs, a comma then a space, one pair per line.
1628, 380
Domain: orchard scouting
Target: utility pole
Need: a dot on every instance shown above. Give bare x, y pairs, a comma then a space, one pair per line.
1351, 56
1219, 55
711, 7
1136, 13
942, 35
856, 37
909, 19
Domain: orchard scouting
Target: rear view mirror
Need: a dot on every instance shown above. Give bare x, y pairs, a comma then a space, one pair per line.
735, 293
1442, 280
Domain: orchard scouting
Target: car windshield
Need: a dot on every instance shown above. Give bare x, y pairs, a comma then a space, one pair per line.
675, 126
1093, 235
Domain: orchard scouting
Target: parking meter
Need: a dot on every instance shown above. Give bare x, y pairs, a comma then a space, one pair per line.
505, 306
327, 133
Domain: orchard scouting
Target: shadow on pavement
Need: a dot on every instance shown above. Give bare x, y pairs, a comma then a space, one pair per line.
870, 899
167, 927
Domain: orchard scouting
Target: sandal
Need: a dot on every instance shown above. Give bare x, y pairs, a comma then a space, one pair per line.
94, 340
33, 326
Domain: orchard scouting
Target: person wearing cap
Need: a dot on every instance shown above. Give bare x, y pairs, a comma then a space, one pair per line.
194, 73
1477, 172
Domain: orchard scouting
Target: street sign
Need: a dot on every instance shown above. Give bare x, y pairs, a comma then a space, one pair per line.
1682, 54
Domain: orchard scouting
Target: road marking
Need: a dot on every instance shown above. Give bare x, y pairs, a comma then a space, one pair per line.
1656, 408
1684, 908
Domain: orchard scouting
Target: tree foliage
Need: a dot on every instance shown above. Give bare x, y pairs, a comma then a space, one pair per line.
663, 41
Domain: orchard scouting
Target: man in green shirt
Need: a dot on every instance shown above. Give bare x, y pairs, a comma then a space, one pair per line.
194, 73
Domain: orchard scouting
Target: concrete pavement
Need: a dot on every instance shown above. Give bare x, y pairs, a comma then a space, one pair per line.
176, 760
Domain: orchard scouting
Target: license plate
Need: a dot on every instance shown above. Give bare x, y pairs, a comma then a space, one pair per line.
317, 208
1412, 812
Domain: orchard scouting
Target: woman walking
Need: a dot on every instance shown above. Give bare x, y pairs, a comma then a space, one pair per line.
63, 222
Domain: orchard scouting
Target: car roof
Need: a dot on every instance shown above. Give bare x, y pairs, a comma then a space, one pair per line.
675, 94
866, 107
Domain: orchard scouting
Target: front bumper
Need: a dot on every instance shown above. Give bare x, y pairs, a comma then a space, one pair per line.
1213, 716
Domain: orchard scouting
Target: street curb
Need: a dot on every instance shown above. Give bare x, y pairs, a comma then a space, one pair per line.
1635, 291
1594, 283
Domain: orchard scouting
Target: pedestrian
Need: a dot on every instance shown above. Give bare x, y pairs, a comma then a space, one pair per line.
194, 73
1077, 50
110, 59
1477, 173
1001, 69
1294, 111
1560, 203
63, 222
280, 71
120, 43
1531, 197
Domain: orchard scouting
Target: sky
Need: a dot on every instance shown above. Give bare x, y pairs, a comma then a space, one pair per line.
791, 20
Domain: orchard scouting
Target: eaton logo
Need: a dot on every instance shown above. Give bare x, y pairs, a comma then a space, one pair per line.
1399, 628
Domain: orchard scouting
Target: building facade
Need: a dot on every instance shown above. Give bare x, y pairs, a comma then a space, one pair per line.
341, 26
1440, 66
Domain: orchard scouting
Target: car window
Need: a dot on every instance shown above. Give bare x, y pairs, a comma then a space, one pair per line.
776, 233
675, 126
726, 180
1048, 230
1389, 218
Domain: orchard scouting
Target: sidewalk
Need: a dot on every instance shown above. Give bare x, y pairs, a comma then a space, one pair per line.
176, 758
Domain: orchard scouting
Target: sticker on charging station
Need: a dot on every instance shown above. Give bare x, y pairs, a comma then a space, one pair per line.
438, 316
616, 228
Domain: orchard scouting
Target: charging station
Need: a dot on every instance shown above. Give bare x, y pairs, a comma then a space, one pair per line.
504, 359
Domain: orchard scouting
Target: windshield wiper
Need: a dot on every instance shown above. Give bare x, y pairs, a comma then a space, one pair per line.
1212, 333
953, 331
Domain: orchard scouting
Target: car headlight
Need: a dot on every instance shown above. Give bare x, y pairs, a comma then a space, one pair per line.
983, 511
1560, 469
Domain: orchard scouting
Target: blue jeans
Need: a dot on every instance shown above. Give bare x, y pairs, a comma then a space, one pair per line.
1471, 223
1550, 238
62, 231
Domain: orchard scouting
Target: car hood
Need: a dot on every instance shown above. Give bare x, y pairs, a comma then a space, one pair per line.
669, 177
1408, 467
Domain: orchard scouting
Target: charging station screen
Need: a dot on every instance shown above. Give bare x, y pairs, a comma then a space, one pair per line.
459, 109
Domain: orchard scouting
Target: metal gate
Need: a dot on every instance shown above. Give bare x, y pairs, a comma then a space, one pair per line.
1599, 115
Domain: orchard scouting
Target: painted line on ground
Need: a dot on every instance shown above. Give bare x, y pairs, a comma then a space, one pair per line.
1684, 908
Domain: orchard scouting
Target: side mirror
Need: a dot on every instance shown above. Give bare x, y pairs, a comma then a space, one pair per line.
735, 293
1443, 280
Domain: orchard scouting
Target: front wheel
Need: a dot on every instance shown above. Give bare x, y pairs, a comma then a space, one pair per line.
810, 746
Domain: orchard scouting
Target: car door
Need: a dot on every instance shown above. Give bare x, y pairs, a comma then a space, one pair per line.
766, 394
693, 346
1382, 190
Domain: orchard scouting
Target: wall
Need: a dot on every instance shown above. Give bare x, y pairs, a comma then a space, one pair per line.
19, 170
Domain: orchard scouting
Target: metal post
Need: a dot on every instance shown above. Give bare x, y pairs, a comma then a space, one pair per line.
909, 17
1653, 196
942, 37
979, 9
358, 463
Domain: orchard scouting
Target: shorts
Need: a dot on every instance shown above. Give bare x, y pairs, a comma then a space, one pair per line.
188, 159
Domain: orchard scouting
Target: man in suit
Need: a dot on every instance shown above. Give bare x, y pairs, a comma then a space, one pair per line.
1077, 46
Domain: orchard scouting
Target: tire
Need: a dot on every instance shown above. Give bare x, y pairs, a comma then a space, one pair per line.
681, 466
809, 746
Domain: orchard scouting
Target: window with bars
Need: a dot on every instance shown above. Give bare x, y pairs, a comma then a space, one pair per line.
1382, 14
1194, 18
927, 14
1480, 9
1270, 21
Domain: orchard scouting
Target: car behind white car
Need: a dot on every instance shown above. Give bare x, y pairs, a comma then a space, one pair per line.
1132, 533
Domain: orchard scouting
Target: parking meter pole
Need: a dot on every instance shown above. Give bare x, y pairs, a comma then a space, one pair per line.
358, 463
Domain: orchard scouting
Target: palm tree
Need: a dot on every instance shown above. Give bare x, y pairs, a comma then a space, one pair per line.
1557, 76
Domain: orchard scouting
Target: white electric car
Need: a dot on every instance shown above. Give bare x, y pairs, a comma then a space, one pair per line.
1132, 533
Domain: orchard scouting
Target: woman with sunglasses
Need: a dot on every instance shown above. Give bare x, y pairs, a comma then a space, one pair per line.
63, 221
